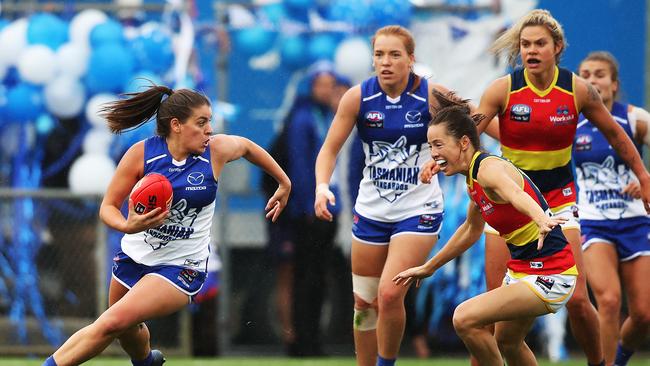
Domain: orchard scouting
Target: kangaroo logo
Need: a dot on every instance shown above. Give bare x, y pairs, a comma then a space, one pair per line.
177, 226
603, 182
395, 153
391, 170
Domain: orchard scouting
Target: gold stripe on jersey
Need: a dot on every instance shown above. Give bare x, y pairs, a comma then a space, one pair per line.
543, 93
522, 236
537, 160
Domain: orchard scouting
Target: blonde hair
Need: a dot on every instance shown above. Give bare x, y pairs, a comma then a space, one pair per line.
508, 42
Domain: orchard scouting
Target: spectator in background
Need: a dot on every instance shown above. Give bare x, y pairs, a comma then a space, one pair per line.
302, 245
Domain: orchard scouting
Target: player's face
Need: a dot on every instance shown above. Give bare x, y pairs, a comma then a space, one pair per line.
599, 74
196, 131
391, 60
445, 149
537, 48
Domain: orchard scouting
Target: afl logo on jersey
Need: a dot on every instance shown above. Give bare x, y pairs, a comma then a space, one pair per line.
195, 178
413, 116
583, 143
520, 113
374, 119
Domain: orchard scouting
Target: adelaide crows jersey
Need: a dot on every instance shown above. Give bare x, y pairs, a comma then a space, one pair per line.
602, 174
394, 136
537, 129
184, 238
520, 231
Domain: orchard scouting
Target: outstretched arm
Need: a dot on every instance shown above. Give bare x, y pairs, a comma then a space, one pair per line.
227, 148
465, 236
593, 108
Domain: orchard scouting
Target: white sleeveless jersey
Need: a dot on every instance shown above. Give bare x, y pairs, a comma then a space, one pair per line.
601, 174
184, 238
394, 136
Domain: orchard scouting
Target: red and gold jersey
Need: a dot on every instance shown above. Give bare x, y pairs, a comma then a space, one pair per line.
537, 129
520, 231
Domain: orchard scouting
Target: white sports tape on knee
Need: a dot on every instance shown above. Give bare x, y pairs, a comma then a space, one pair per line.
365, 319
365, 287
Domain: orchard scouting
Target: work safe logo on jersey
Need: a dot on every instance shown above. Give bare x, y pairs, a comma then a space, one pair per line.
374, 119
562, 116
520, 113
389, 169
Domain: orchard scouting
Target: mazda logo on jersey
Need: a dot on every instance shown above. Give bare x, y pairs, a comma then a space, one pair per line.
374, 119
195, 178
413, 116
520, 113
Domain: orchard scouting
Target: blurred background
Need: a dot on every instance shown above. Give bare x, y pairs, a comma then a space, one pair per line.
60, 60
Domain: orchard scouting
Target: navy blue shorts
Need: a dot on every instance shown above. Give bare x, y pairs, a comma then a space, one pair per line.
127, 272
631, 237
374, 232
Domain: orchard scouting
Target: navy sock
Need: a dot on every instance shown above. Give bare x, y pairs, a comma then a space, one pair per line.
385, 361
50, 361
145, 362
601, 363
622, 355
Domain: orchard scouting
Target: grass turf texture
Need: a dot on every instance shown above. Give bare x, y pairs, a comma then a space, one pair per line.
252, 361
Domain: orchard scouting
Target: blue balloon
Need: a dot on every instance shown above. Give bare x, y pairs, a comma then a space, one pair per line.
3, 23
24, 103
154, 52
44, 124
108, 32
47, 29
274, 12
299, 4
387, 12
254, 41
356, 13
322, 47
109, 68
294, 52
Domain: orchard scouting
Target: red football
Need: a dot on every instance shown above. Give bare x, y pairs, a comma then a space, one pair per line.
153, 190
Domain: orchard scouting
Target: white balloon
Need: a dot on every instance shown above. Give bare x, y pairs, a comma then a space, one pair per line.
93, 106
65, 96
353, 59
97, 141
13, 41
36, 64
83, 23
72, 59
91, 173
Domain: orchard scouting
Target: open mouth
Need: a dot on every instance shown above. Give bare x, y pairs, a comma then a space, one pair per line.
442, 163
533, 61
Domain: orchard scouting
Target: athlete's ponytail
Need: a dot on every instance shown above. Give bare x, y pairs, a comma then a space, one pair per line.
455, 113
160, 101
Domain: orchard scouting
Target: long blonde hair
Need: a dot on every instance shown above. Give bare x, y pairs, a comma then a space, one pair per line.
508, 42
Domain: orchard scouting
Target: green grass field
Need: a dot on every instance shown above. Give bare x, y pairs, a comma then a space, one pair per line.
251, 361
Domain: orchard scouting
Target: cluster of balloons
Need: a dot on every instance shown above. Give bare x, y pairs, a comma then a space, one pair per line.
52, 68
305, 31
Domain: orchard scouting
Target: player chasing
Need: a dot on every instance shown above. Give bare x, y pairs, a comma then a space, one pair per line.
542, 273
